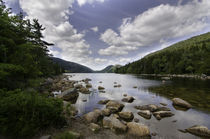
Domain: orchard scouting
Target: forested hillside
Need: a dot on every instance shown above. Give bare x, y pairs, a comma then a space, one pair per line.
191, 56
71, 67
109, 69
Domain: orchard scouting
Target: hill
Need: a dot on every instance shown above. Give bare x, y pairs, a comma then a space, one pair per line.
191, 56
71, 66
109, 69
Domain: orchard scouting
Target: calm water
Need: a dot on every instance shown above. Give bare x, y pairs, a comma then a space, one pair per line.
152, 91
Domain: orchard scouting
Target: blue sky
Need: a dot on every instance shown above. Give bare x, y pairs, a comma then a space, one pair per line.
97, 33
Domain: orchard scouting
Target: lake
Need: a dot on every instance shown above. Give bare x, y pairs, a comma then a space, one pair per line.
152, 91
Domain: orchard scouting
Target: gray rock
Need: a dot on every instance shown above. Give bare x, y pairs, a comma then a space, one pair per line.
114, 106
164, 104
163, 109
84, 90
138, 130
136, 120
126, 116
103, 101
101, 88
114, 124
181, 103
95, 127
199, 131
145, 113
150, 107
162, 114
94, 116
128, 99
78, 86
70, 94
88, 85
106, 112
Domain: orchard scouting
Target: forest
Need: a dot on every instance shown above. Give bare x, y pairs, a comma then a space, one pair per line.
191, 56
24, 62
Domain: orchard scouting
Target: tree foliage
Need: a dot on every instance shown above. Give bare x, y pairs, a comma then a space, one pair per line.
191, 56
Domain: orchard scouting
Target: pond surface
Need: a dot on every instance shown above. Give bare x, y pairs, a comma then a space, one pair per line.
152, 91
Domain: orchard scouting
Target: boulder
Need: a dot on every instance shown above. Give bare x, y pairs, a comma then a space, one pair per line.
163, 109
94, 127
126, 116
114, 106
162, 114
84, 90
136, 120
145, 113
128, 99
94, 116
88, 85
138, 130
69, 95
181, 103
78, 86
199, 131
114, 124
103, 101
150, 107
106, 112
101, 88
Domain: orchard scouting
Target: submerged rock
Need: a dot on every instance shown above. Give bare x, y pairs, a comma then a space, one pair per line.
181, 103
103, 101
94, 116
145, 113
126, 116
137, 129
128, 99
150, 107
114, 124
199, 131
114, 106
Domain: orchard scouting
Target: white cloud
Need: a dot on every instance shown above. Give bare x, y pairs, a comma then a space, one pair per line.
54, 15
95, 29
156, 26
82, 2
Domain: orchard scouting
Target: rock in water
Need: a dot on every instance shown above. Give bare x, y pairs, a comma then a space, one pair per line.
93, 117
150, 107
181, 103
162, 114
101, 88
127, 116
128, 99
114, 106
138, 130
146, 114
114, 124
88, 86
106, 112
70, 95
199, 131
84, 90
103, 101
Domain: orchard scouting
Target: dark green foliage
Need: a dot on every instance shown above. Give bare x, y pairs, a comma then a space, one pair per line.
25, 113
109, 69
23, 52
191, 56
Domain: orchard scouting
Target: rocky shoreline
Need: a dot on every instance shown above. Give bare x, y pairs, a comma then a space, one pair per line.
111, 120
169, 76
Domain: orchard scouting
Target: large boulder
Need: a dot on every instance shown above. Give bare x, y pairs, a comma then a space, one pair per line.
84, 90
145, 113
114, 124
199, 131
103, 101
181, 103
94, 116
114, 106
128, 99
69, 95
138, 130
106, 112
150, 107
126, 116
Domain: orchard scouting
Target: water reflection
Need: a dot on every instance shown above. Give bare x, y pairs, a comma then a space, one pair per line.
151, 91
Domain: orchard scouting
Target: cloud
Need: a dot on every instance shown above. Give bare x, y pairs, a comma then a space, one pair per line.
82, 2
69, 43
156, 26
95, 29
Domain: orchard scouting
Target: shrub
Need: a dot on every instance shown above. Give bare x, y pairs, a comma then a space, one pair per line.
22, 114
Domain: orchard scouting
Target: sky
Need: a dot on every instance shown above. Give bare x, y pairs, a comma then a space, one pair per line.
98, 33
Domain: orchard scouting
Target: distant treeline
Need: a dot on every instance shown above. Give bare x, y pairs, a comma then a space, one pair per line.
191, 56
